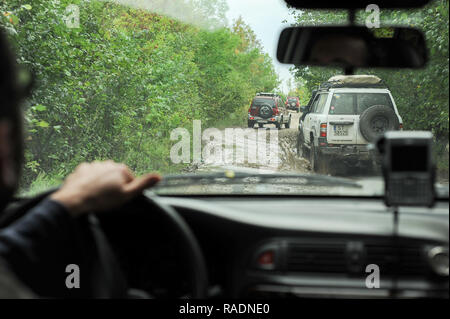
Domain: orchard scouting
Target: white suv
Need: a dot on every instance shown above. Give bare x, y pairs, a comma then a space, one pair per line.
346, 114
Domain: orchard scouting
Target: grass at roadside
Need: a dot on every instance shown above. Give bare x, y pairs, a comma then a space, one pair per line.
42, 183
45, 181
235, 119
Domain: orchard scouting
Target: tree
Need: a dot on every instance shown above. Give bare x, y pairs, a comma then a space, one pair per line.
116, 86
422, 96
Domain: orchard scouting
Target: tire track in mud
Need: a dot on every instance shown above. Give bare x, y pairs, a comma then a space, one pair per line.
287, 152
290, 161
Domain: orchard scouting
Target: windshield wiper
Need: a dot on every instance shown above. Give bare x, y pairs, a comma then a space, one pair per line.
232, 177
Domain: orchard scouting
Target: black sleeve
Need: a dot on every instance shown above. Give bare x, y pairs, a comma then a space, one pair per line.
47, 227
39, 246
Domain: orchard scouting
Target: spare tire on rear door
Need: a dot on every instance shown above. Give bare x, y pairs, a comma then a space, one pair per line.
376, 120
265, 111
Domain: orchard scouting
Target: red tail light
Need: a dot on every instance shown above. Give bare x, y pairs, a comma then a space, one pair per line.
323, 130
276, 111
401, 127
266, 258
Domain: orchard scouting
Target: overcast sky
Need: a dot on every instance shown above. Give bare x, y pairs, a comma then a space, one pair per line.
265, 18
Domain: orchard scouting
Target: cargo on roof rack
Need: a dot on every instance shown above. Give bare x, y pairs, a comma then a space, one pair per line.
353, 81
266, 94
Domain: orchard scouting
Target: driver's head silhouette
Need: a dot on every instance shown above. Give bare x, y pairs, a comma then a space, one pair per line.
11, 95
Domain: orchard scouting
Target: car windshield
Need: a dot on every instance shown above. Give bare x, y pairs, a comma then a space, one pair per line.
357, 103
170, 86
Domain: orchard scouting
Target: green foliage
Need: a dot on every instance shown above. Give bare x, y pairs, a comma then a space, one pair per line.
42, 183
422, 96
116, 86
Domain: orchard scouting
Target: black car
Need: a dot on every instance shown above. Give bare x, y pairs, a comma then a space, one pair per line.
268, 109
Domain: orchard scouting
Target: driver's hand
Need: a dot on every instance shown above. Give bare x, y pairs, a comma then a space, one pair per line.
100, 186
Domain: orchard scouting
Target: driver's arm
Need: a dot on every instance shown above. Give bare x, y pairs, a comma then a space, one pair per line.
42, 242
38, 244
100, 186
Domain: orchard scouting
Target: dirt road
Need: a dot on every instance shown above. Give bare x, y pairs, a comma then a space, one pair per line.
283, 151
284, 154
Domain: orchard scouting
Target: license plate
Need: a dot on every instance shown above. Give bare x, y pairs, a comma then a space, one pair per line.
341, 130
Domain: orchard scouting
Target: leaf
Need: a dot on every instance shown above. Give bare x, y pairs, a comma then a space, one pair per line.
13, 19
40, 108
26, 7
42, 124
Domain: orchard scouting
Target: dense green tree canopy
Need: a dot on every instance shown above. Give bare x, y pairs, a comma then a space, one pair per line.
116, 86
422, 96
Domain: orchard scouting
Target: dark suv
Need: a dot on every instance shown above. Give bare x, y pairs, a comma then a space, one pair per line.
293, 103
267, 108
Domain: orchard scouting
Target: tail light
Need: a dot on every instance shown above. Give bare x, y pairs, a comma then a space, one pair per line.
276, 111
266, 258
401, 126
323, 130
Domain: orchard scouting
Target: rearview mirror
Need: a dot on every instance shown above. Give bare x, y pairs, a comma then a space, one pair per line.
302, 109
352, 47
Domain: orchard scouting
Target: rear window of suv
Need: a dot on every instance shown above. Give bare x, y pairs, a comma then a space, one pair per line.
260, 101
357, 103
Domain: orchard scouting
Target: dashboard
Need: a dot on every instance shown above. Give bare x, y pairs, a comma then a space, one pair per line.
284, 247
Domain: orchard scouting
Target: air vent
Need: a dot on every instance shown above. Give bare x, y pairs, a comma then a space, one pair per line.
407, 260
316, 257
347, 257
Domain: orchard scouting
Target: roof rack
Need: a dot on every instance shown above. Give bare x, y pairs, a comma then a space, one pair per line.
266, 94
353, 81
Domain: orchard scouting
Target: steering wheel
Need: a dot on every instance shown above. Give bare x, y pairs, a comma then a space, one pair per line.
107, 279
196, 260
